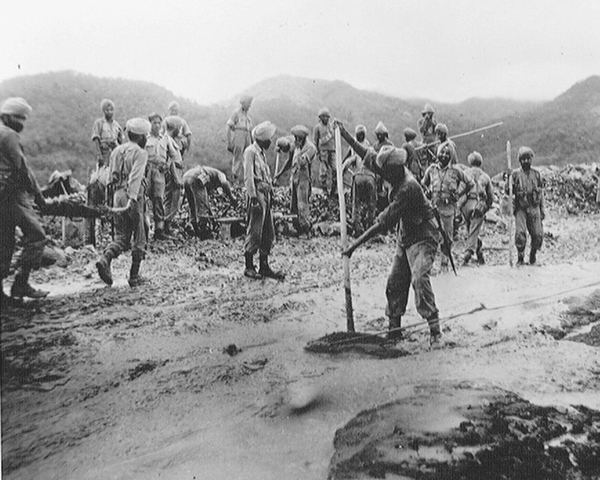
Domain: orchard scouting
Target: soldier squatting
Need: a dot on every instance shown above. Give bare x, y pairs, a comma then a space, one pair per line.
418, 190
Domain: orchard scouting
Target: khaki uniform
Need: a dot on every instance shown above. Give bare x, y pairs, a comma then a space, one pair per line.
169, 152
18, 188
127, 168
324, 140
478, 201
528, 190
300, 184
109, 134
155, 179
197, 183
241, 126
446, 185
260, 230
364, 192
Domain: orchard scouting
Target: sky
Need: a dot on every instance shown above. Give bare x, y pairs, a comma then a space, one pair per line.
212, 50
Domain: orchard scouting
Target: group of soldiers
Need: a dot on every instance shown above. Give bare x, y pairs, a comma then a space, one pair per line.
424, 186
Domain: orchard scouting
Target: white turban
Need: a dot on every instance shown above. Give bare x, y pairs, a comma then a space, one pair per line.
139, 126
16, 106
264, 131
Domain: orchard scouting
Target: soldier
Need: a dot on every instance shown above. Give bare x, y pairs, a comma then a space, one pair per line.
239, 137
413, 157
364, 185
155, 176
127, 167
441, 131
411, 213
300, 162
184, 138
325, 142
260, 230
170, 153
382, 134
478, 202
18, 187
426, 125
528, 191
107, 134
445, 183
198, 183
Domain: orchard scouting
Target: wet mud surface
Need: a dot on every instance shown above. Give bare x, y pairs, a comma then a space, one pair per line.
203, 372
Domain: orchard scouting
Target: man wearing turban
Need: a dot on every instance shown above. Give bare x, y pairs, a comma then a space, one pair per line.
426, 125
18, 187
445, 184
238, 132
170, 152
478, 202
364, 185
325, 144
126, 173
413, 217
260, 230
300, 162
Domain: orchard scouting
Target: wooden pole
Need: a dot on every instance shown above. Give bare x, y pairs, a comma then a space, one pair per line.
511, 236
344, 234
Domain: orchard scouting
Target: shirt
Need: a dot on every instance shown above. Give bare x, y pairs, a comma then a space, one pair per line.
354, 159
483, 186
15, 174
302, 161
109, 133
256, 169
127, 167
411, 211
323, 136
210, 177
444, 183
152, 144
528, 188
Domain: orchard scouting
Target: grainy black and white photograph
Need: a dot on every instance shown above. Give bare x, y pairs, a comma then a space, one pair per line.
310, 240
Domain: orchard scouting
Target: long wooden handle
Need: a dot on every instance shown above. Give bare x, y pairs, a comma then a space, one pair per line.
344, 233
511, 237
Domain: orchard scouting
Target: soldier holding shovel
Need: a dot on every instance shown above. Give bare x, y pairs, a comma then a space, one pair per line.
418, 237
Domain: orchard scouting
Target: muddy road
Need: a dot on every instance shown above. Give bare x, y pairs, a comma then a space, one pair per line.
203, 374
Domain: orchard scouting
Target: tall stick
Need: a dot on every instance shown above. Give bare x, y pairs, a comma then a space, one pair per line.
344, 234
511, 237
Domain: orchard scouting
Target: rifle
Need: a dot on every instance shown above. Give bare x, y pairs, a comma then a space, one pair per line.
432, 144
446, 245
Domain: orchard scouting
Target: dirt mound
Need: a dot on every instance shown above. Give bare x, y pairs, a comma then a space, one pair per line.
464, 433
352, 342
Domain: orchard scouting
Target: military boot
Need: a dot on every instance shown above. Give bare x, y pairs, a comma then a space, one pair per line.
135, 279
250, 271
479, 252
532, 258
435, 333
520, 257
265, 269
160, 235
395, 334
467, 256
21, 287
103, 266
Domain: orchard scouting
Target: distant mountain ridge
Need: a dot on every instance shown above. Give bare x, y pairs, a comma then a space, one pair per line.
58, 135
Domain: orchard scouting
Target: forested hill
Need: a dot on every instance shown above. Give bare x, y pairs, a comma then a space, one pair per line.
58, 134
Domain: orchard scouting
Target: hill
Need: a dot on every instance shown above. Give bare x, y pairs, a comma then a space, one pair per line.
67, 103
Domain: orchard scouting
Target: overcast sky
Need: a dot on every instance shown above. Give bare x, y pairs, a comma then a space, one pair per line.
210, 50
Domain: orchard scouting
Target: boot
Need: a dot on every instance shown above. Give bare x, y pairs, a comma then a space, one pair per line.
197, 231
250, 271
6, 301
135, 279
21, 287
532, 258
205, 232
167, 229
520, 258
160, 235
266, 271
395, 334
103, 266
435, 334
480, 258
467, 257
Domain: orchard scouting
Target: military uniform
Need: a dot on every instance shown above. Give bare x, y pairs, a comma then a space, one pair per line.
446, 187
426, 126
478, 202
198, 182
18, 189
300, 184
155, 180
127, 169
364, 191
528, 191
109, 135
417, 240
324, 140
241, 126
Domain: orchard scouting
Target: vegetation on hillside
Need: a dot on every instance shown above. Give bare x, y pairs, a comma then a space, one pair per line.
58, 135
